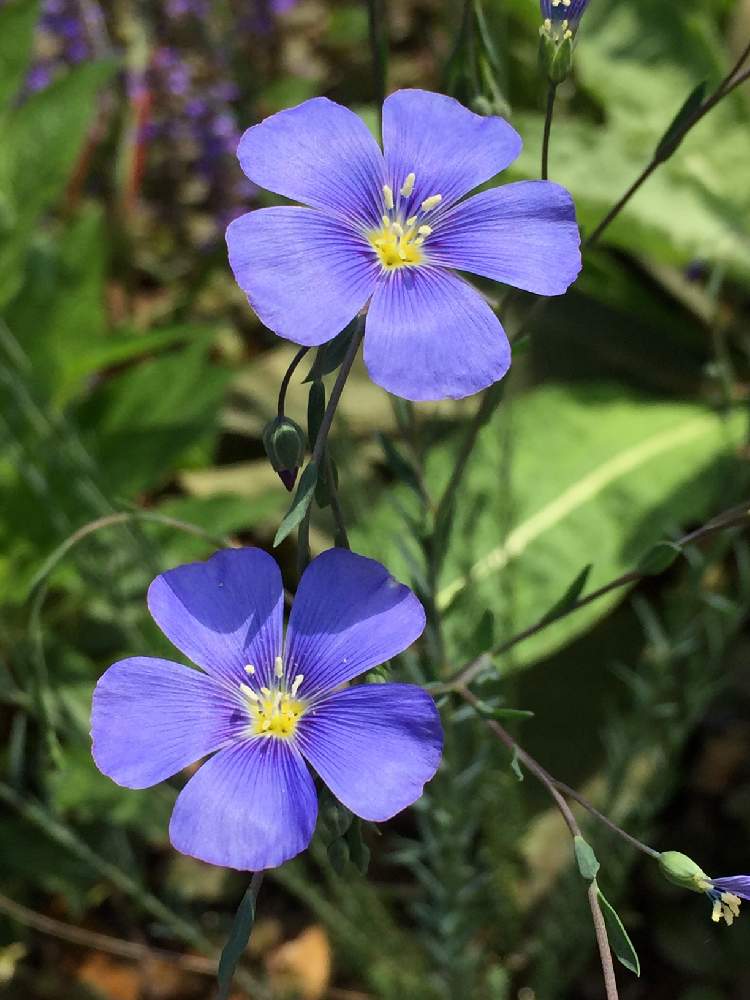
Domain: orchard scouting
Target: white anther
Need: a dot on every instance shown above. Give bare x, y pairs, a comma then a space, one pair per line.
432, 202
296, 685
388, 195
412, 220
424, 230
419, 241
248, 692
249, 669
278, 667
266, 692
398, 229
408, 186
386, 221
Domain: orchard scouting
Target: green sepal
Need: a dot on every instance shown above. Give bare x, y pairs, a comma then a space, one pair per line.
681, 870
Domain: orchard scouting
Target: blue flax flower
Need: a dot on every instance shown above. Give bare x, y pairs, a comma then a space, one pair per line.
561, 17
388, 230
726, 895
265, 712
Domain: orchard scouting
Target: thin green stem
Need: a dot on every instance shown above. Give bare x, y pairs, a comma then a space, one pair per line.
379, 50
546, 779
318, 453
342, 538
287, 377
551, 94
734, 517
571, 793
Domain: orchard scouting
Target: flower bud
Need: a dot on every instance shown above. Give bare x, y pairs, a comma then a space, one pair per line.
560, 20
284, 441
683, 871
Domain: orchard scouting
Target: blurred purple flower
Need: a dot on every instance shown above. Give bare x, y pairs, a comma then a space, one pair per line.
391, 230
264, 713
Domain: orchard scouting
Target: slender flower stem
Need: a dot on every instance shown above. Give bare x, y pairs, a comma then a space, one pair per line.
551, 94
550, 784
571, 793
287, 377
303, 538
732, 518
730, 82
605, 952
379, 49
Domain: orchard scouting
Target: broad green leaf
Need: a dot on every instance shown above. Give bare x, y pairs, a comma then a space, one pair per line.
17, 22
597, 474
619, 940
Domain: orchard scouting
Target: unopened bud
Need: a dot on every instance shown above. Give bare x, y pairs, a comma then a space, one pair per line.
683, 871
560, 20
284, 441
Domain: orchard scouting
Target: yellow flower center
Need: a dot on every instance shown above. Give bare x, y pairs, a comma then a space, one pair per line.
274, 711
399, 240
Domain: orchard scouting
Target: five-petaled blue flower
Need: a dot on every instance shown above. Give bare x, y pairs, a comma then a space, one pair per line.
390, 229
263, 712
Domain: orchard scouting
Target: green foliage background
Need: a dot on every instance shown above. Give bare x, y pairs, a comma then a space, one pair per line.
134, 386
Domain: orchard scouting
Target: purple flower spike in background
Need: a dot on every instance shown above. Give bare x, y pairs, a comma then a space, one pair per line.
263, 712
388, 230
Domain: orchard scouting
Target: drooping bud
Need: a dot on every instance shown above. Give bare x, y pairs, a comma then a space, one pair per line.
560, 19
683, 871
284, 441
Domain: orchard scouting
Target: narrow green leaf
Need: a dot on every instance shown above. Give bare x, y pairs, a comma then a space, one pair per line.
568, 600
316, 406
330, 355
588, 864
302, 500
659, 558
488, 711
239, 935
671, 139
619, 941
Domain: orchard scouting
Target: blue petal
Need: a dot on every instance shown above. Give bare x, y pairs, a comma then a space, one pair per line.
348, 616
223, 613
150, 718
252, 806
737, 884
374, 745
448, 148
430, 335
305, 274
522, 234
320, 154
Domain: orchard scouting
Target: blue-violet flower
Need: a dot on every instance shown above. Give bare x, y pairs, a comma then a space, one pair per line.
263, 712
391, 229
561, 17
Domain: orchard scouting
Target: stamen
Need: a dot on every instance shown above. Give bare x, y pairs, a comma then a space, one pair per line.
411, 221
249, 693
296, 685
408, 186
716, 912
388, 195
278, 667
419, 241
432, 202
249, 668
386, 221
424, 230
731, 902
266, 692
398, 229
